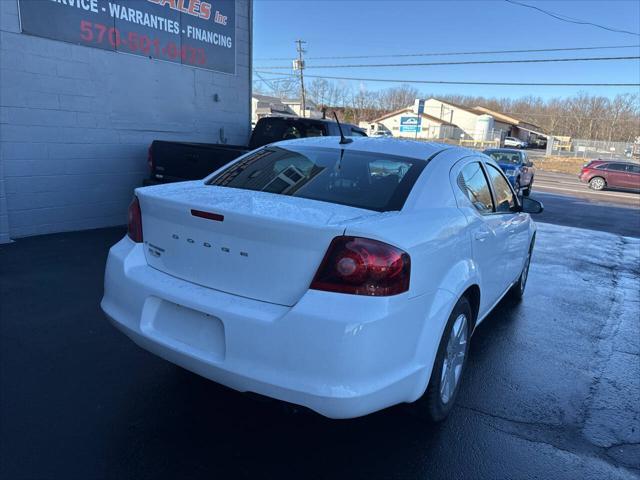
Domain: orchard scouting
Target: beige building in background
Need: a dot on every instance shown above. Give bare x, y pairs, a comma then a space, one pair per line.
430, 126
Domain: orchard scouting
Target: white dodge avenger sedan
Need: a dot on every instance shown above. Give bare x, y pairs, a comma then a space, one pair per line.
345, 277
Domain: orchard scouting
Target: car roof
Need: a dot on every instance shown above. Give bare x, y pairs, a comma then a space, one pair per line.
502, 150
613, 161
387, 146
313, 120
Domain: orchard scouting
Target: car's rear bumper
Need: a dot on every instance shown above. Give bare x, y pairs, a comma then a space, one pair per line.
340, 355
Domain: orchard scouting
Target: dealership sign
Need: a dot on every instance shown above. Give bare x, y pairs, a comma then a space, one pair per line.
409, 124
191, 32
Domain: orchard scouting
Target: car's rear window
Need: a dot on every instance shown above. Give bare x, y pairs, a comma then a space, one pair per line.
358, 179
277, 129
505, 157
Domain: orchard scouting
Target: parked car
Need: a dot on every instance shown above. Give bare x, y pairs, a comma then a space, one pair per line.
179, 161
540, 142
515, 142
516, 166
326, 274
382, 133
600, 174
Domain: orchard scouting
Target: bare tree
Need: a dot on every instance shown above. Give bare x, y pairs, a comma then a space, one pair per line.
580, 116
396, 98
318, 91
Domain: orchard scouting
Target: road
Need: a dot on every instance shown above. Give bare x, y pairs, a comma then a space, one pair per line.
567, 201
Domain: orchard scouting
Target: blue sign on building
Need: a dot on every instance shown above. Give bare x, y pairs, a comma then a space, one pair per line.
409, 124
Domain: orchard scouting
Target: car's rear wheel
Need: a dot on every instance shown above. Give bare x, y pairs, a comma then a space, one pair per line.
597, 183
447, 371
517, 290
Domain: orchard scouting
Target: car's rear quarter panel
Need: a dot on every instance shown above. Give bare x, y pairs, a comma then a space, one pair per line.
434, 232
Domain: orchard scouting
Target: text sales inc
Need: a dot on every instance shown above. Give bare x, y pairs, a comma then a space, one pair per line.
197, 8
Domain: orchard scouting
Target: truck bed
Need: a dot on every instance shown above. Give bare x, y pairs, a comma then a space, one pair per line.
178, 161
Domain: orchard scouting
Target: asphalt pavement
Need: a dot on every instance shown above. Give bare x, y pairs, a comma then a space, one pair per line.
551, 389
569, 202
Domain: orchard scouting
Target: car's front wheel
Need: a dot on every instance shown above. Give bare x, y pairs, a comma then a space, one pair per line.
447, 371
597, 183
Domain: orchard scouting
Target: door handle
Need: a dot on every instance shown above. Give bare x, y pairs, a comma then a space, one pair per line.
481, 236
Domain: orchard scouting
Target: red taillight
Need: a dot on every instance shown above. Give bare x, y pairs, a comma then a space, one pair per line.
361, 266
134, 224
150, 160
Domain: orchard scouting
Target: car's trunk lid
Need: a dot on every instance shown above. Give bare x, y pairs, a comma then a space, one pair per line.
254, 244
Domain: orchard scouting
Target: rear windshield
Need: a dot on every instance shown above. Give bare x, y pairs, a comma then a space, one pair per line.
505, 157
273, 130
358, 179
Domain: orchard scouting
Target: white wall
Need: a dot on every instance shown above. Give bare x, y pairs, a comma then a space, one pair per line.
466, 121
76, 123
428, 129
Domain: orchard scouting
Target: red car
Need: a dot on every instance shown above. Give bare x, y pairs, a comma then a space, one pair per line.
600, 174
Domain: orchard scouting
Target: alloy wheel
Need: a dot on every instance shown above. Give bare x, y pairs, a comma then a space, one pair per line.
525, 273
597, 183
454, 358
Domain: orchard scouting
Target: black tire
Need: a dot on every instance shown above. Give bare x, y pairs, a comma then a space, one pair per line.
516, 292
431, 406
597, 183
517, 187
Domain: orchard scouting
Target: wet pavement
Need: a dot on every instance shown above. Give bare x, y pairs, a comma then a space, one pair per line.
567, 201
552, 387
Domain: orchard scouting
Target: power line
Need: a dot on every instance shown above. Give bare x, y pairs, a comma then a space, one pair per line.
454, 82
445, 54
470, 62
564, 18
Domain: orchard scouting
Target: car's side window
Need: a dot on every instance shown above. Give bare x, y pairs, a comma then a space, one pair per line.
505, 199
474, 184
633, 168
620, 167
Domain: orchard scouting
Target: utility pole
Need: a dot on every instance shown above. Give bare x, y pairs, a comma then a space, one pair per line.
299, 66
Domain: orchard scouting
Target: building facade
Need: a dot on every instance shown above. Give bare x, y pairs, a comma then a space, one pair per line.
310, 108
404, 123
81, 103
267, 106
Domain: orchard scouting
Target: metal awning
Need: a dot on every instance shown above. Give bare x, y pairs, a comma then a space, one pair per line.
536, 132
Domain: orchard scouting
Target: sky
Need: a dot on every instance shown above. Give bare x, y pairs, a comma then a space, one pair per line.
388, 27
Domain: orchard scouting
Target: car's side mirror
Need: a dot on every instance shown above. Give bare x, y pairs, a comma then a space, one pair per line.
529, 163
529, 205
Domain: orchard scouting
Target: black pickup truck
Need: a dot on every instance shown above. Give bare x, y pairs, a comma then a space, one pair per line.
179, 161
